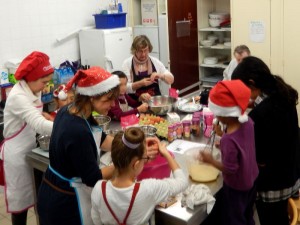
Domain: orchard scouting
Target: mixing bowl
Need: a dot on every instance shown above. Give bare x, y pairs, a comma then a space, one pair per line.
148, 130
198, 170
103, 121
44, 141
161, 104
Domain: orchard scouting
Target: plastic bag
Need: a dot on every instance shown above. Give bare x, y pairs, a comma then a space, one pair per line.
129, 120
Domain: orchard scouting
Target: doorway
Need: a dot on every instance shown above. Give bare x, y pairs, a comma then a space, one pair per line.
183, 42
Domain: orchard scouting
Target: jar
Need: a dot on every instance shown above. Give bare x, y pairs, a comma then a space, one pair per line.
170, 133
196, 126
186, 128
179, 130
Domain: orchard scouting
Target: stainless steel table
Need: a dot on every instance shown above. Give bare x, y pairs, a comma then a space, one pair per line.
173, 215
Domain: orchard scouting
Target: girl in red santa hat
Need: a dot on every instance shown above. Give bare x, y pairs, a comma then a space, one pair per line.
23, 119
75, 141
228, 100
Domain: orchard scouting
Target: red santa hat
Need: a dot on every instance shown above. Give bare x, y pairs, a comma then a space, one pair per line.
34, 66
91, 82
230, 99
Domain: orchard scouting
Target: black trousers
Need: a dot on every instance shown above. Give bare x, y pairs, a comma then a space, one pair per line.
272, 212
232, 207
19, 218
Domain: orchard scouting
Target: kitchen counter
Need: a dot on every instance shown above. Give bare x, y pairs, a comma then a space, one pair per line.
174, 214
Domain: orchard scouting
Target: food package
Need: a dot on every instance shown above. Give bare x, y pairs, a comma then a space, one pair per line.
173, 117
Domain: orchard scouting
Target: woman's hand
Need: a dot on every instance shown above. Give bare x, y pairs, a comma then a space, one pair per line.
146, 82
144, 97
143, 108
154, 76
152, 145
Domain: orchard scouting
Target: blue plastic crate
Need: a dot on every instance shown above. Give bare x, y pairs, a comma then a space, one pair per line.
106, 21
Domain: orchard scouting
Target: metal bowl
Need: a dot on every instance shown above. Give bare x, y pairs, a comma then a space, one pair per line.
103, 121
149, 131
44, 141
161, 104
112, 132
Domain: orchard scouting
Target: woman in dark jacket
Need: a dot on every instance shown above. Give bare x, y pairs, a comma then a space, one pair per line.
276, 138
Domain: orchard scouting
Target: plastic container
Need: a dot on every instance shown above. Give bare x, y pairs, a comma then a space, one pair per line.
186, 128
158, 168
107, 21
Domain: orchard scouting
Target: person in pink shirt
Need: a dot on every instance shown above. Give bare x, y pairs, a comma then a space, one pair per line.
125, 105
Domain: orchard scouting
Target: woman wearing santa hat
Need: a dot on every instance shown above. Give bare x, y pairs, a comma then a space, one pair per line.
22, 120
65, 193
276, 139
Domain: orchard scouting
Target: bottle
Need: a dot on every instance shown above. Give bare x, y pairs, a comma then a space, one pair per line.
208, 119
196, 126
186, 128
120, 7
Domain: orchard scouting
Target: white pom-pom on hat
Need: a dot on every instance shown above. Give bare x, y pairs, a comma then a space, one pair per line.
243, 118
62, 95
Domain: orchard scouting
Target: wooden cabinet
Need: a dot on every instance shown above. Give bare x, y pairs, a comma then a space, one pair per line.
209, 74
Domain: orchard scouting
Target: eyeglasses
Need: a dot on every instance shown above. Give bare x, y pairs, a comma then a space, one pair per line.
147, 158
141, 51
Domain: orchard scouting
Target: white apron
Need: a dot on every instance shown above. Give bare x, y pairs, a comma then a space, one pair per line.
18, 187
83, 192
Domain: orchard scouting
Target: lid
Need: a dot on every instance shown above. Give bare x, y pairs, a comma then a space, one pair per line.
186, 122
195, 120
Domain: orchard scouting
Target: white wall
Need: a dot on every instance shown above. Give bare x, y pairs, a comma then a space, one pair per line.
29, 25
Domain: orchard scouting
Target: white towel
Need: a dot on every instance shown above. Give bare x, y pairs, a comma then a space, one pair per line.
198, 194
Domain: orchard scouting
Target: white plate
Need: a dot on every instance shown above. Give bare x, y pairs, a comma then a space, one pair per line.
189, 107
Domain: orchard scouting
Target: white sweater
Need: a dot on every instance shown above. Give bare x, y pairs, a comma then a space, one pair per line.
229, 69
151, 193
20, 108
160, 69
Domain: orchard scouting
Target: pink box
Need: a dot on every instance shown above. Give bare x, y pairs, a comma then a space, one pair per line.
158, 168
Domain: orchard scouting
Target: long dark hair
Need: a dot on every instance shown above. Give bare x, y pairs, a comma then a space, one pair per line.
254, 72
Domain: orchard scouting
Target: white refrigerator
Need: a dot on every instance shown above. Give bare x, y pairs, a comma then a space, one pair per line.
107, 48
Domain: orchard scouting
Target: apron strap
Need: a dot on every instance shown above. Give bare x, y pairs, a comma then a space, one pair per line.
134, 193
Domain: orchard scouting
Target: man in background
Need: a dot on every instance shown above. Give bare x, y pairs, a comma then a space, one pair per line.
240, 52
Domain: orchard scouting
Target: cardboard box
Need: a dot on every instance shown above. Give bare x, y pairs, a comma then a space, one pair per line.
149, 12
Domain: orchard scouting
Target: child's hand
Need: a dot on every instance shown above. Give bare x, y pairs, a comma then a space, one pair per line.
47, 116
152, 145
163, 149
143, 107
144, 97
206, 156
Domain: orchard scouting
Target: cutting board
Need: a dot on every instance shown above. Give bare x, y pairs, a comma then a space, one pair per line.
41, 152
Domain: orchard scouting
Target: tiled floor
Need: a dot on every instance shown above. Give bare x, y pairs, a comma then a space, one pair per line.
5, 217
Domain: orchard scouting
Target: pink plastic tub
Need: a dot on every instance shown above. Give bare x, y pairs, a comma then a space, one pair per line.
158, 168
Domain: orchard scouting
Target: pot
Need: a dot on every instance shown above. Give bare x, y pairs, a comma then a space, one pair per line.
161, 104
44, 141
103, 121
